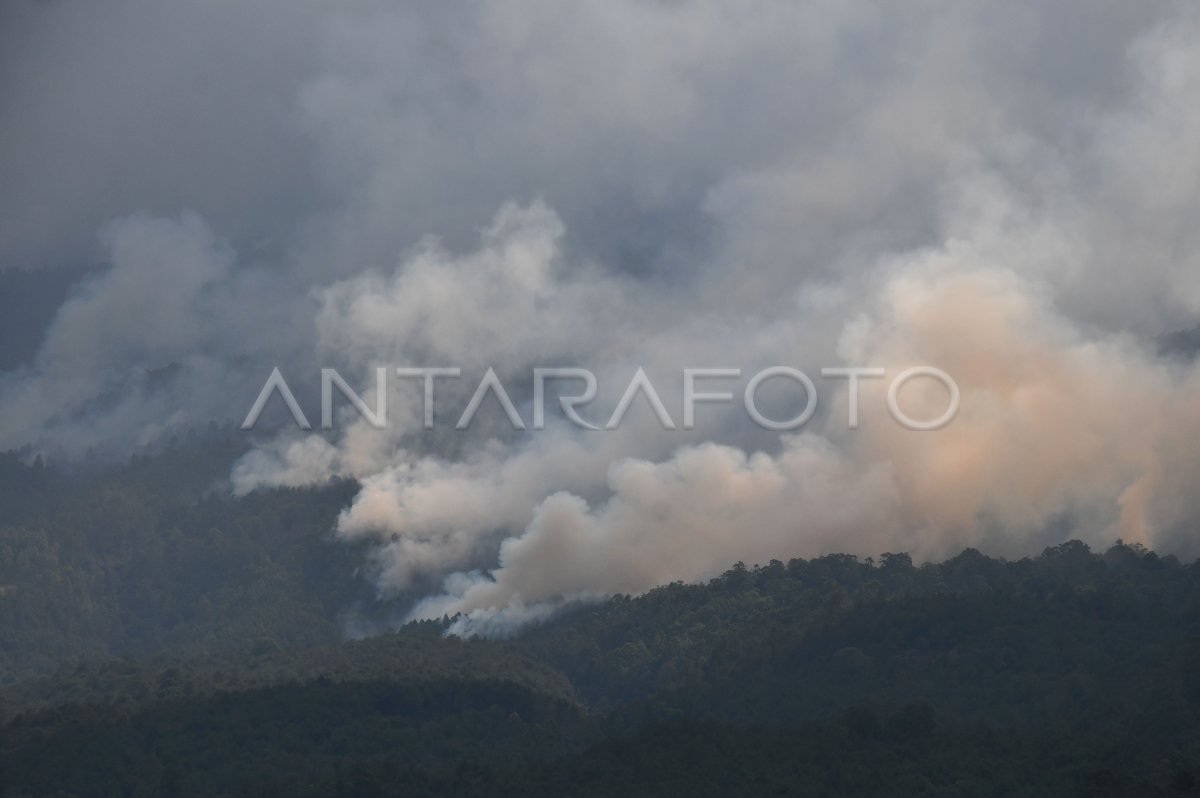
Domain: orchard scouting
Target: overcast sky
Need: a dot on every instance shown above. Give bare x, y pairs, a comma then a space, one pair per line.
1007, 191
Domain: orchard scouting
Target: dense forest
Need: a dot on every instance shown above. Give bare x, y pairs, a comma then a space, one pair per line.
159, 637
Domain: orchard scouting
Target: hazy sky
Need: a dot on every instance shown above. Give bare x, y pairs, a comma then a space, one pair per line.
1007, 191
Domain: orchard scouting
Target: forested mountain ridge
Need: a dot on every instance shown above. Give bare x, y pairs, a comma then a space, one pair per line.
1070, 673
162, 638
152, 556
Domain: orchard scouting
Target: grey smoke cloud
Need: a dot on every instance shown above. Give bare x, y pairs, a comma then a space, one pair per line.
1006, 192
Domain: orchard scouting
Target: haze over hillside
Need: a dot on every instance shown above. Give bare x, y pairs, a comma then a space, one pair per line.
1005, 194
638, 397
160, 639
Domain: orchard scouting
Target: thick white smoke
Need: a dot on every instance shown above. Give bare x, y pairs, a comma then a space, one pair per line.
1007, 192
1060, 435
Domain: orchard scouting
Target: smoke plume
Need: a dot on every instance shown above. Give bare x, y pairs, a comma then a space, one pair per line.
1006, 193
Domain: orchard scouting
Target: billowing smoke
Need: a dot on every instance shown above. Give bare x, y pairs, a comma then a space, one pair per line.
1060, 434
1007, 193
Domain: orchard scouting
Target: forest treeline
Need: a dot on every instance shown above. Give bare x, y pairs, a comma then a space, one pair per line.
159, 638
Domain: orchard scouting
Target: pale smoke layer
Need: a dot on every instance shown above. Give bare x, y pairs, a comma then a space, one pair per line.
1005, 191
151, 347
1053, 426
1064, 432
1069, 426
1061, 434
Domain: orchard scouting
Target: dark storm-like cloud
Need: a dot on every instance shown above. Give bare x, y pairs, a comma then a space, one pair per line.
1007, 191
